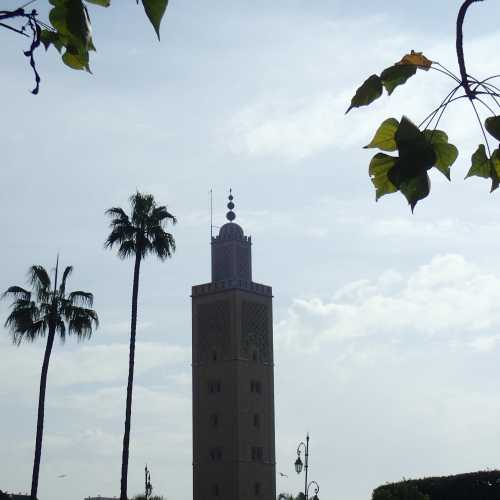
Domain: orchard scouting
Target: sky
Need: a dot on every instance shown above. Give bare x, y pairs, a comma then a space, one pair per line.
386, 324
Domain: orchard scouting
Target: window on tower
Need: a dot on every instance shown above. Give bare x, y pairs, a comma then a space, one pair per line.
256, 420
257, 453
215, 454
255, 386
256, 489
214, 355
254, 356
214, 420
214, 386
215, 490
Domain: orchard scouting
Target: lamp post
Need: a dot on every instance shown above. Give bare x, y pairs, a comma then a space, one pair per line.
148, 487
298, 462
299, 466
316, 490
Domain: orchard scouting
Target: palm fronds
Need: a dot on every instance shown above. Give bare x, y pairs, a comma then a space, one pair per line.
34, 313
144, 231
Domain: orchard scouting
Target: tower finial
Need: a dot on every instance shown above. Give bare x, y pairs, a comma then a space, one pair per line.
230, 216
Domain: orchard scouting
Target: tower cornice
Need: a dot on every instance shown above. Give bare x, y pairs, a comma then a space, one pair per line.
231, 284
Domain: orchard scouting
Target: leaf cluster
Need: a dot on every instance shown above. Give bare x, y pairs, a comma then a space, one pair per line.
419, 151
404, 490
422, 149
484, 485
487, 165
390, 78
71, 31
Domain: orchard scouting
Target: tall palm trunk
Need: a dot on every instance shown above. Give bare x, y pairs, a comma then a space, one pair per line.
41, 412
128, 409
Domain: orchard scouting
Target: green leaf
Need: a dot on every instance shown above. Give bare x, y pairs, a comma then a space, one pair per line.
102, 3
76, 60
446, 153
415, 151
367, 93
414, 188
495, 170
492, 125
78, 23
397, 75
495, 158
73, 31
488, 168
435, 136
58, 18
154, 10
70, 18
481, 165
379, 167
48, 38
384, 138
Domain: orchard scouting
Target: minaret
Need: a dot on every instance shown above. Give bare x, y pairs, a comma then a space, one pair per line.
233, 383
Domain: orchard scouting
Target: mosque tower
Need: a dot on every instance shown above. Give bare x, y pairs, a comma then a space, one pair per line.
233, 382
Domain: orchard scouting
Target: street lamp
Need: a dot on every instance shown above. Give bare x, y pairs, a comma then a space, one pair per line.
298, 462
316, 490
299, 466
148, 487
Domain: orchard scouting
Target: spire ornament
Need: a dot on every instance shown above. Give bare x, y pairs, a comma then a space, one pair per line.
230, 216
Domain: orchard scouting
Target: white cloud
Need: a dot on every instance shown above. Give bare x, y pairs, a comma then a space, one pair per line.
448, 297
109, 363
485, 343
295, 121
85, 364
289, 129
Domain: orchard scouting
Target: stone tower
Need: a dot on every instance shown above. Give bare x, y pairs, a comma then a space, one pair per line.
233, 383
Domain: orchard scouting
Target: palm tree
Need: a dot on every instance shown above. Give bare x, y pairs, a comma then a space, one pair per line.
139, 235
47, 310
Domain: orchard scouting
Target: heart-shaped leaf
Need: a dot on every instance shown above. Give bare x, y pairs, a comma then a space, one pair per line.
492, 125
435, 136
367, 93
379, 167
397, 75
76, 59
481, 165
415, 151
446, 153
414, 188
488, 168
384, 137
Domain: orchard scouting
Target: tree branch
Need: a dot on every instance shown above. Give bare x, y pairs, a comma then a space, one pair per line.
34, 25
460, 46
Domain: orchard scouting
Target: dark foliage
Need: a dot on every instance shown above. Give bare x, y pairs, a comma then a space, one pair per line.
482, 485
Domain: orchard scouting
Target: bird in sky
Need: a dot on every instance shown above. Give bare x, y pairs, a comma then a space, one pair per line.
283, 475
